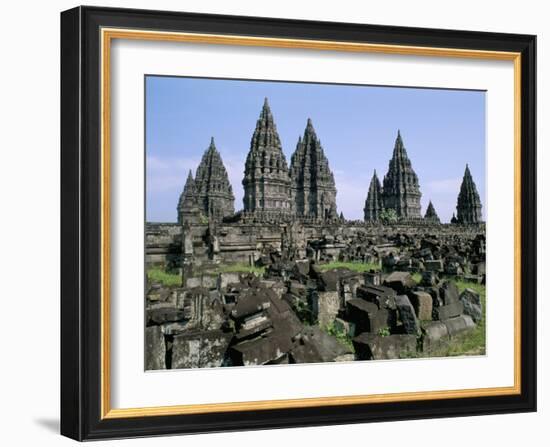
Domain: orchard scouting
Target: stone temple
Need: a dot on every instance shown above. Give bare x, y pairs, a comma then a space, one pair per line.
313, 189
468, 205
374, 205
286, 208
188, 208
214, 192
431, 214
268, 284
266, 179
401, 191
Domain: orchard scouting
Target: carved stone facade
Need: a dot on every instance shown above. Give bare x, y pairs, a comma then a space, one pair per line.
468, 205
214, 192
401, 190
266, 180
374, 205
313, 188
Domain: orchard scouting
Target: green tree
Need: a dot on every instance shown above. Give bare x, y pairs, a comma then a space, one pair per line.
388, 216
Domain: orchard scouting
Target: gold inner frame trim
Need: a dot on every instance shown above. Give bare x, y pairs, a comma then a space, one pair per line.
107, 35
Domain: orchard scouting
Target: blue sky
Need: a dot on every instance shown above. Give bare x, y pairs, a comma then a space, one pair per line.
442, 131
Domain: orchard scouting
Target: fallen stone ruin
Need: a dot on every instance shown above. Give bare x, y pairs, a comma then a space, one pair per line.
297, 312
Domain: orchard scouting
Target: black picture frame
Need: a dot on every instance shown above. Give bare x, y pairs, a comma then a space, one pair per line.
81, 224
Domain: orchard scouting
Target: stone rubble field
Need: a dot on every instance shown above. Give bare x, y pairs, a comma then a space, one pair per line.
388, 297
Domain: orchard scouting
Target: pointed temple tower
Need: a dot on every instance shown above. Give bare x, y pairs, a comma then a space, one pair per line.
214, 192
312, 182
266, 181
468, 205
188, 210
374, 204
400, 185
431, 215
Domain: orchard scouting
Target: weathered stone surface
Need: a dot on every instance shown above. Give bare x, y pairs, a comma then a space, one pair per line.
472, 304
401, 282
459, 325
429, 278
423, 305
200, 349
435, 265
448, 311
225, 279
262, 350
163, 315
325, 306
383, 297
367, 317
436, 334
155, 348
313, 345
407, 315
376, 347
449, 292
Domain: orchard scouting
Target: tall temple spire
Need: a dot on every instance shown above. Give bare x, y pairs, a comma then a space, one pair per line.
401, 191
312, 182
214, 192
431, 215
468, 205
374, 204
188, 210
266, 181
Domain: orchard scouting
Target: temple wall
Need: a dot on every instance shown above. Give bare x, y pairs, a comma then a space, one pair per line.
167, 244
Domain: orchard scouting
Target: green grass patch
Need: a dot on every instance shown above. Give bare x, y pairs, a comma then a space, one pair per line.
472, 343
359, 267
158, 275
341, 336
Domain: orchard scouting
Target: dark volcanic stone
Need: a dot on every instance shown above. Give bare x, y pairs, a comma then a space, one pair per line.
200, 349
163, 315
407, 315
155, 348
401, 282
376, 347
367, 317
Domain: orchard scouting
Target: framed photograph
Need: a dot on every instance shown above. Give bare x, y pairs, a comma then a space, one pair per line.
277, 223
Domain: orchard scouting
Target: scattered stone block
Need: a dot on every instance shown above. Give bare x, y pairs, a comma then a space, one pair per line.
367, 317
449, 292
377, 347
435, 265
226, 279
401, 282
383, 297
407, 315
200, 349
325, 306
436, 335
313, 345
472, 304
459, 325
448, 311
163, 315
423, 305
